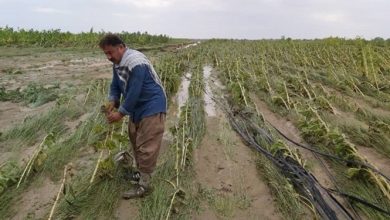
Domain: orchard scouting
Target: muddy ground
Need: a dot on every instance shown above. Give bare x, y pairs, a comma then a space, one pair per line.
225, 167
69, 69
218, 169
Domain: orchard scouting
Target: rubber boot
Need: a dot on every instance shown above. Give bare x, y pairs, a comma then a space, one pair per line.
133, 176
124, 159
141, 189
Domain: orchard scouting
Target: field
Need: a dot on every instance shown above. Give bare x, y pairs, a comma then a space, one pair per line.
267, 129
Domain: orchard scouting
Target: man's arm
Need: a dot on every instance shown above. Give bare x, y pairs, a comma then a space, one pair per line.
114, 94
137, 76
115, 91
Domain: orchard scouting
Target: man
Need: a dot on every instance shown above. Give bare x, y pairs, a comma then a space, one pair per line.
144, 100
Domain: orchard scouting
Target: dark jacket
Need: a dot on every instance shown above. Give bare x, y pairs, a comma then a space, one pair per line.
135, 79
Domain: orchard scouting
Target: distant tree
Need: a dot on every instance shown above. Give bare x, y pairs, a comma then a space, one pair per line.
378, 41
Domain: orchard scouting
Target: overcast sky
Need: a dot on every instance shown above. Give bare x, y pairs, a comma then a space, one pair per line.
251, 19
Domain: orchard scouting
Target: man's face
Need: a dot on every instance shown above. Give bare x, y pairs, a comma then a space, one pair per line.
114, 53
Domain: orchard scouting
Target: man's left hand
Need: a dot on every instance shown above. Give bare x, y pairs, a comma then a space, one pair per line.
114, 117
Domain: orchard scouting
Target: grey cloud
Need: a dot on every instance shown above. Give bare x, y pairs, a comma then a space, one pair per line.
251, 19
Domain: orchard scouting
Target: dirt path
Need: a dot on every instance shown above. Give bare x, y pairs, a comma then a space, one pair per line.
226, 169
36, 202
229, 182
373, 157
127, 209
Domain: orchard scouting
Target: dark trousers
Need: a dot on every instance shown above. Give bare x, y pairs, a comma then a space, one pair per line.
146, 137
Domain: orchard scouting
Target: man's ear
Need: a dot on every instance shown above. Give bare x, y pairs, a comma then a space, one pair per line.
122, 48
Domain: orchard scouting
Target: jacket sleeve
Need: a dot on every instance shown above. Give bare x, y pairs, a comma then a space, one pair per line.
115, 91
136, 80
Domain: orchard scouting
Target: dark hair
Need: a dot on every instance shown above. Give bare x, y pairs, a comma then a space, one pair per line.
111, 39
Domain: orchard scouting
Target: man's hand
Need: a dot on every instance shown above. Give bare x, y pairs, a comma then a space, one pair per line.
107, 108
110, 106
114, 117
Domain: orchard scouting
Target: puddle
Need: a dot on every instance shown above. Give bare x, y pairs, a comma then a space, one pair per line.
189, 45
209, 103
182, 94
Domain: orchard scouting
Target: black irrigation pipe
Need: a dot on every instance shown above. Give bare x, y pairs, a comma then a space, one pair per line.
358, 199
257, 147
271, 157
364, 165
335, 184
304, 181
352, 197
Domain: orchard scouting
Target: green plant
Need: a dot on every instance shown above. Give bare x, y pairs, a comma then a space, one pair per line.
9, 175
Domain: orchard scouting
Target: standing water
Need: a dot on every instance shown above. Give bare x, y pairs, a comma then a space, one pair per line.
209, 103
182, 94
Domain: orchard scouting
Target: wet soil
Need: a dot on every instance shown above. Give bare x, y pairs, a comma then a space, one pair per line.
226, 171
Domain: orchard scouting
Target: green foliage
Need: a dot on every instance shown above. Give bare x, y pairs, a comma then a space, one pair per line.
62, 152
313, 78
56, 38
222, 203
42, 155
91, 201
312, 130
285, 71
324, 104
33, 127
12, 71
37, 95
9, 95
379, 127
170, 69
279, 101
287, 198
106, 168
236, 93
9, 175
33, 95
340, 146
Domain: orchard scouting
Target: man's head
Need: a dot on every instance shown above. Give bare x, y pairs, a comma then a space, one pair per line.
113, 47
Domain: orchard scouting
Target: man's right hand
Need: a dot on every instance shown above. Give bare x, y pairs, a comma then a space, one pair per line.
110, 106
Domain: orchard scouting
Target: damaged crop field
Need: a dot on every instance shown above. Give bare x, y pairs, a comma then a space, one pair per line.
266, 129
